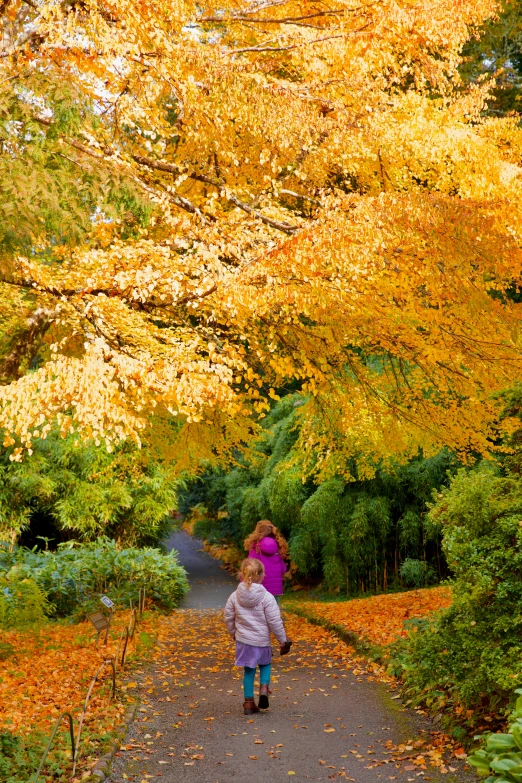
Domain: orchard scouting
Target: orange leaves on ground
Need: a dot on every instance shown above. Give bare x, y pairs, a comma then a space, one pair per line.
49, 672
379, 619
195, 649
437, 750
198, 644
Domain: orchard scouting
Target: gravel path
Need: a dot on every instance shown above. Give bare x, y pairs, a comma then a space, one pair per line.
328, 719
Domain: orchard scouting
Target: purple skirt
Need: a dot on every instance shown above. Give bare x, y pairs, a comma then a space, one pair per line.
248, 655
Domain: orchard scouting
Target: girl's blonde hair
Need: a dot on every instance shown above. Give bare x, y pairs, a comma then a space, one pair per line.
263, 529
252, 571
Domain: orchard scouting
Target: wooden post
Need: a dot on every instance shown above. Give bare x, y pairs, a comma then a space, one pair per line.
111, 613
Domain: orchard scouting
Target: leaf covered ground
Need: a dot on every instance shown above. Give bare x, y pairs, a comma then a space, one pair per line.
46, 671
379, 619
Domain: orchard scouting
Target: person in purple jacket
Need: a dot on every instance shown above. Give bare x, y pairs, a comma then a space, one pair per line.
268, 545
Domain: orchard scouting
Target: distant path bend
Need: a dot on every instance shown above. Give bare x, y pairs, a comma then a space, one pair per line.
210, 583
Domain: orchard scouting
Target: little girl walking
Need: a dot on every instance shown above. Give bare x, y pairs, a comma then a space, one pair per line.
251, 613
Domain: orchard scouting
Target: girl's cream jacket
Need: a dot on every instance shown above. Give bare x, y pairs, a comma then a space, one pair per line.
251, 614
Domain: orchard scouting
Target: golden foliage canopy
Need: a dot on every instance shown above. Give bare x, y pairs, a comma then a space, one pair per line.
212, 202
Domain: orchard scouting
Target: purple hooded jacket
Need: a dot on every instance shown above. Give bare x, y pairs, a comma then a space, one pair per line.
268, 552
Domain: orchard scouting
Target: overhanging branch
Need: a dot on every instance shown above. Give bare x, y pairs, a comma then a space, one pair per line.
280, 225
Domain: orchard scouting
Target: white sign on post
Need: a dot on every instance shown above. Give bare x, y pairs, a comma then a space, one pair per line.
107, 602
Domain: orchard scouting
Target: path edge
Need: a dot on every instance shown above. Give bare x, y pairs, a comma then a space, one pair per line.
101, 770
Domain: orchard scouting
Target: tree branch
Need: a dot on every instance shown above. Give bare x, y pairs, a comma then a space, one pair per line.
174, 198
299, 195
283, 20
35, 320
287, 228
262, 48
23, 346
181, 201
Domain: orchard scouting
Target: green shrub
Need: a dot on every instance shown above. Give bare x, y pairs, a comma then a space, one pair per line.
7, 650
470, 654
22, 603
250, 510
20, 757
417, 573
205, 529
500, 759
69, 490
75, 575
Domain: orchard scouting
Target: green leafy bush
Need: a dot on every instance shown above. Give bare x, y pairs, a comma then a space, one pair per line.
22, 603
417, 573
21, 755
73, 577
470, 654
68, 490
500, 759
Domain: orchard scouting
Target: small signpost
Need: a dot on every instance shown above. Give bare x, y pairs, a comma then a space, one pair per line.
101, 623
100, 620
106, 601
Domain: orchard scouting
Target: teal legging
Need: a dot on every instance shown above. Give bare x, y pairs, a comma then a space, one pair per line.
249, 675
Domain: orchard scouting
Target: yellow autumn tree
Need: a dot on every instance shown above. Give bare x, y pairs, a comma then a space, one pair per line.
204, 203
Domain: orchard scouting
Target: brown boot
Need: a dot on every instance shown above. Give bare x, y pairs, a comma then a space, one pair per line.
249, 707
264, 690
